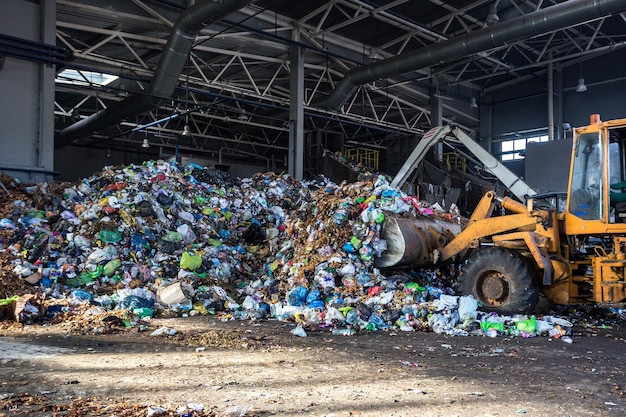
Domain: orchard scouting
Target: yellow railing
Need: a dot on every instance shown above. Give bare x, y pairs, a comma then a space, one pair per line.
456, 161
363, 156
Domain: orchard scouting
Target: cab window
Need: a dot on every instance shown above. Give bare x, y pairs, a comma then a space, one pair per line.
586, 199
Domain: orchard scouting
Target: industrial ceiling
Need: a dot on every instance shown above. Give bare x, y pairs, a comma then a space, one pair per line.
233, 91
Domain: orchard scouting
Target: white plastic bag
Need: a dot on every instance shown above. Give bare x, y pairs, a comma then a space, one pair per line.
468, 306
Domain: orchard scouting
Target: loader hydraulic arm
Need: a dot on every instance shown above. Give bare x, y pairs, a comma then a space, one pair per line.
482, 225
515, 184
512, 182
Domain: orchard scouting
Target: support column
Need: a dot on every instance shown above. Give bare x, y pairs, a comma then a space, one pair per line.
45, 158
558, 114
296, 108
436, 115
486, 124
550, 98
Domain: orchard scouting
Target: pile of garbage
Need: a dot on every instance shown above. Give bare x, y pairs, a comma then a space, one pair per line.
162, 240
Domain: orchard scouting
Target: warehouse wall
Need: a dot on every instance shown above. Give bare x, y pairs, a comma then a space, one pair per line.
27, 134
524, 107
76, 163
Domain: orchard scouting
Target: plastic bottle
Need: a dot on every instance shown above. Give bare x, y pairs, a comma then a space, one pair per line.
343, 331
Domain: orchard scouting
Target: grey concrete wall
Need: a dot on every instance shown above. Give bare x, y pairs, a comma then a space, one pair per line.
27, 94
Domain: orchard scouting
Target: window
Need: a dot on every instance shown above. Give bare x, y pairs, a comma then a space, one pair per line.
513, 150
75, 77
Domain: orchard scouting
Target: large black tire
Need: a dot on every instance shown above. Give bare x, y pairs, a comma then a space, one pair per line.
501, 280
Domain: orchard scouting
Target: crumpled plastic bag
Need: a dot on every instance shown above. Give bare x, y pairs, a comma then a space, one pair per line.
446, 302
98, 256
164, 331
468, 307
190, 262
298, 331
110, 267
444, 323
187, 232
527, 325
133, 302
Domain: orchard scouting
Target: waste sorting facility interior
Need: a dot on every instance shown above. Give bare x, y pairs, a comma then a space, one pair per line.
268, 85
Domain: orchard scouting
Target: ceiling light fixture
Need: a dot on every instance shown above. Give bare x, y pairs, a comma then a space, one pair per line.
473, 103
374, 55
581, 87
243, 115
146, 143
186, 131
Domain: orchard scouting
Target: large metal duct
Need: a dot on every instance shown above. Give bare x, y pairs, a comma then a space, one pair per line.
166, 75
547, 20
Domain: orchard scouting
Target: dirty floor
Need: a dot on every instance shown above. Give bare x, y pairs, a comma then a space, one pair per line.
236, 368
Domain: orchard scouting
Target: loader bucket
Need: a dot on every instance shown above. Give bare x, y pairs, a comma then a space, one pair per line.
412, 242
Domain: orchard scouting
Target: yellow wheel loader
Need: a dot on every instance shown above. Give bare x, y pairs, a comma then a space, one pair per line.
573, 255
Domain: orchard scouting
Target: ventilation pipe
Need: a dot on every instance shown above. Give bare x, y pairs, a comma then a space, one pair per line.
547, 20
166, 75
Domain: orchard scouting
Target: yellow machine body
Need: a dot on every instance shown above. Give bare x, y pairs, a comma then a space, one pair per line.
575, 255
595, 224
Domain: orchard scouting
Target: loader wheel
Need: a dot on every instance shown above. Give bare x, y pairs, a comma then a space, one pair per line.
501, 280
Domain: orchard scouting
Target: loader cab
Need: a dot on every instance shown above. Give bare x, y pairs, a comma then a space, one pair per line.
595, 205
617, 174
